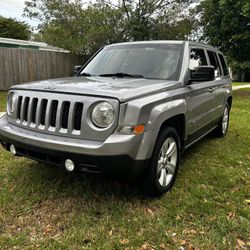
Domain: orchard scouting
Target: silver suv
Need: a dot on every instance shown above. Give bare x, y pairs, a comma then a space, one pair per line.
129, 112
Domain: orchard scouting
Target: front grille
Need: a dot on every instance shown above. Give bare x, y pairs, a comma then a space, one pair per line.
78, 116
33, 110
53, 113
25, 109
49, 114
65, 114
59, 114
43, 111
19, 105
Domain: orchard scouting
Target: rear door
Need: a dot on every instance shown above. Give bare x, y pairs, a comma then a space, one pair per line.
226, 83
219, 84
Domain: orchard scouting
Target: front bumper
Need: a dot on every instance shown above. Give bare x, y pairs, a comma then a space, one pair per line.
116, 156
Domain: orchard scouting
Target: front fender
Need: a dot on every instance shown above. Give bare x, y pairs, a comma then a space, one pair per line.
162, 112
158, 115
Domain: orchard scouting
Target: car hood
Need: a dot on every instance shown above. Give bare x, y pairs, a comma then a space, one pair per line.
123, 89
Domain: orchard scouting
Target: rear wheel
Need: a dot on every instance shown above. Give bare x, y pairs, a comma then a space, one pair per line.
222, 128
164, 163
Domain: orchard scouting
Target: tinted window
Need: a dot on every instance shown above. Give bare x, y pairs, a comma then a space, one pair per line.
224, 65
197, 58
160, 61
214, 62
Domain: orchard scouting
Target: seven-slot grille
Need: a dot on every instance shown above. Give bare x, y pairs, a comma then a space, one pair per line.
51, 115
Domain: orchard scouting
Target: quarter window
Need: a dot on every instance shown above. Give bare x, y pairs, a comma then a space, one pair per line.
214, 62
197, 58
224, 65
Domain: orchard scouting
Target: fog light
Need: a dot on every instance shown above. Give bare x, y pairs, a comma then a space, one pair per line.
12, 149
69, 165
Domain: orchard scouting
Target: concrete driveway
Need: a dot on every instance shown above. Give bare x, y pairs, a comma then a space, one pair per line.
241, 86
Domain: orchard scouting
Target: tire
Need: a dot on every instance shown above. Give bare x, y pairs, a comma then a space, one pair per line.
222, 128
162, 170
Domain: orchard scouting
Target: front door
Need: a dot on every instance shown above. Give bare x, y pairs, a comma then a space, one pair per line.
200, 98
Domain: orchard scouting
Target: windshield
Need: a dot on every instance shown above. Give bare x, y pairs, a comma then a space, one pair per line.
159, 61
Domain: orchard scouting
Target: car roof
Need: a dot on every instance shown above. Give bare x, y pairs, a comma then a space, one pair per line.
203, 45
190, 43
151, 42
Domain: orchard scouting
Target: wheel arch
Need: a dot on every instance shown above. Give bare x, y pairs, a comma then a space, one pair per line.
171, 114
178, 123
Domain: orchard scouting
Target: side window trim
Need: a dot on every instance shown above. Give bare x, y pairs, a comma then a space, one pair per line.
220, 54
220, 65
208, 60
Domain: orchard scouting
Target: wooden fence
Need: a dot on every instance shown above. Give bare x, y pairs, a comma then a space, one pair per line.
25, 65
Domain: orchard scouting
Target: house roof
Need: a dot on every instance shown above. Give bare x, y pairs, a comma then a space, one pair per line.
16, 43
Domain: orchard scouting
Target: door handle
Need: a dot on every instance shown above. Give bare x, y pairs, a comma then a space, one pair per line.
211, 90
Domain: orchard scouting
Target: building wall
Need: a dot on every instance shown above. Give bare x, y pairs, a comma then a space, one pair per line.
24, 65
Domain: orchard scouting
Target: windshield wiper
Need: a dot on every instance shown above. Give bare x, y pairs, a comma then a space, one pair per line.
121, 74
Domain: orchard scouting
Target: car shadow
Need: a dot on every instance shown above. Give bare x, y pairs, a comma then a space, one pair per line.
58, 182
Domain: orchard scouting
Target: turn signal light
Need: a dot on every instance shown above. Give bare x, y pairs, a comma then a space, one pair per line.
139, 129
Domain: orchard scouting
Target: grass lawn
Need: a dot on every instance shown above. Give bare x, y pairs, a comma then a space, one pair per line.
44, 207
3, 96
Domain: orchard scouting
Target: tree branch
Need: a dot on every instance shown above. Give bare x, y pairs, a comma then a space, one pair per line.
125, 8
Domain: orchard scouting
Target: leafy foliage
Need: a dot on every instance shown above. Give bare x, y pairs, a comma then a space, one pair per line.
11, 28
227, 25
155, 19
83, 28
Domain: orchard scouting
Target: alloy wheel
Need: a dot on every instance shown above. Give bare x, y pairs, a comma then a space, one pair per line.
225, 120
167, 162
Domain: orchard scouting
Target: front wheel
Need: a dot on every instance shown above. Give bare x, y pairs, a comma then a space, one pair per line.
164, 163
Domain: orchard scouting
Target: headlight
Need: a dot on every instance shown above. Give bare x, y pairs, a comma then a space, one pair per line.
103, 114
11, 102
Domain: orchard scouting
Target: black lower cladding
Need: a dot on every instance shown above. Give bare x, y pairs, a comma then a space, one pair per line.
121, 166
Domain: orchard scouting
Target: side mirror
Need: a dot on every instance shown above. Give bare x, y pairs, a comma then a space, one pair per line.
76, 69
202, 74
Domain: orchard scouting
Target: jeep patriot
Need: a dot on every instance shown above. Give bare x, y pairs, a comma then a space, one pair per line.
129, 112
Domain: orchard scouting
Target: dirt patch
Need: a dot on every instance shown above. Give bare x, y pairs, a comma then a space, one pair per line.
242, 93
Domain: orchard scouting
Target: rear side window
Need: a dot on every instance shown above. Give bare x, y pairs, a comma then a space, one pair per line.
197, 58
224, 65
214, 62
